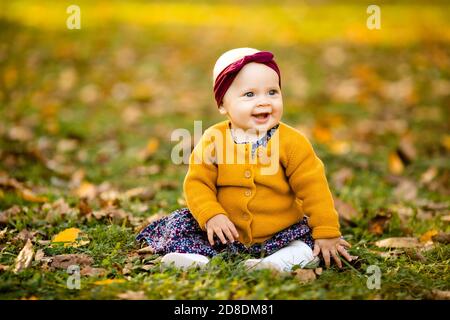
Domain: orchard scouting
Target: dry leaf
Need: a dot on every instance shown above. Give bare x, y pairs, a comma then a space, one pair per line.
341, 177
141, 193
318, 271
132, 295
440, 294
426, 237
108, 281
7, 214
406, 190
305, 275
93, 272
379, 223
446, 218
428, 175
150, 149
70, 238
86, 190
441, 237
25, 257
30, 196
395, 164
346, 211
63, 261
399, 242
39, 255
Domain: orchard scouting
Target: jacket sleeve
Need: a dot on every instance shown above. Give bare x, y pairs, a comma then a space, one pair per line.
306, 174
200, 182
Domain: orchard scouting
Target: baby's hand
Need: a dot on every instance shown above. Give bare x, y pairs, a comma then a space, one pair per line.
332, 247
220, 225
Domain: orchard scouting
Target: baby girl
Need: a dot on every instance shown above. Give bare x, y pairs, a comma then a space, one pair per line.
282, 216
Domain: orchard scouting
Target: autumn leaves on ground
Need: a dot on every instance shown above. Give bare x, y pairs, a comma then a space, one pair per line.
86, 118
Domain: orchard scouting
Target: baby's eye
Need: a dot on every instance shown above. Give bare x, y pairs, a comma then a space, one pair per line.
249, 94
273, 91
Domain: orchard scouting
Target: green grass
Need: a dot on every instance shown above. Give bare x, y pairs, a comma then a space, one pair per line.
152, 75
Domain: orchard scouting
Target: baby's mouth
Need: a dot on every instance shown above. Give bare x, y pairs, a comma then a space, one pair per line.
262, 116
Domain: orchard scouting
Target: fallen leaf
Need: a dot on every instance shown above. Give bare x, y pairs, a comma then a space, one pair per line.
395, 164
399, 242
347, 213
132, 295
446, 218
441, 237
86, 190
426, 237
28, 195
440, 294
150, 149
379, 223
141, 193
341, 177
108, 281
7, 214
428, 175
25, 257
406, 190
39, 255
3, 267
305, 275
63, 261
70, 238
93, 272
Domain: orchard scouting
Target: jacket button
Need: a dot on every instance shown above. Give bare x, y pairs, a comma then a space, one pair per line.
248, 192
260, 152
247, 173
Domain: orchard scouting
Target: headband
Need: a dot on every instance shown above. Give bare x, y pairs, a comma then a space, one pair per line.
226, 77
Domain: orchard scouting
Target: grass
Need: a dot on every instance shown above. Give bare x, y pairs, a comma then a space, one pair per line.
116, 83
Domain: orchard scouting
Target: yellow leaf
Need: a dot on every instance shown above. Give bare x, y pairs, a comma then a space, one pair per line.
86, 190
69, 238
428, 235
108, 281
322, 134
30, 196
339, 147
446, 141
395, 163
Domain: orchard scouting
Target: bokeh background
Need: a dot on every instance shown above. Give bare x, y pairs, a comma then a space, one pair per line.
86, 115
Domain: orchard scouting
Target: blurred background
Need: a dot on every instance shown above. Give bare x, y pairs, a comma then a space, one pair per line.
81, 108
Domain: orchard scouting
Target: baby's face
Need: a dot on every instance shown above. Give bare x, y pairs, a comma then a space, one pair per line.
254, 99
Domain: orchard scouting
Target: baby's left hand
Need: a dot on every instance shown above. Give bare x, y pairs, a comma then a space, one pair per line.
333, 247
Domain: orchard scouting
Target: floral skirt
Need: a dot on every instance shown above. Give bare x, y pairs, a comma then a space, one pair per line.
180, 232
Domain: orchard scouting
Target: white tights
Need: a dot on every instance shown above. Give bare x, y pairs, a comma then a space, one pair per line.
296, 253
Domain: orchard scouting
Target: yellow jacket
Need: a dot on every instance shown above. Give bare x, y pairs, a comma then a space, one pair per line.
260, 204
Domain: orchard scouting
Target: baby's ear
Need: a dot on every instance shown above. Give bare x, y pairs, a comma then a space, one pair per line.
222, 110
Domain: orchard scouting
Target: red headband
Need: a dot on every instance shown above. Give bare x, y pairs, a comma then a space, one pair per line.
226, 77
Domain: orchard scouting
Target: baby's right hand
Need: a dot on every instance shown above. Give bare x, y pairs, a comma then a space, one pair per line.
220, 225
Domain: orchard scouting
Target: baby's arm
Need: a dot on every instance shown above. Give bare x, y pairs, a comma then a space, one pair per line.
306, 174
307, 178
201, 193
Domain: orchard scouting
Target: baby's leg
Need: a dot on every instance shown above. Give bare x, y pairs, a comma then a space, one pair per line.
296, 253
184, 260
